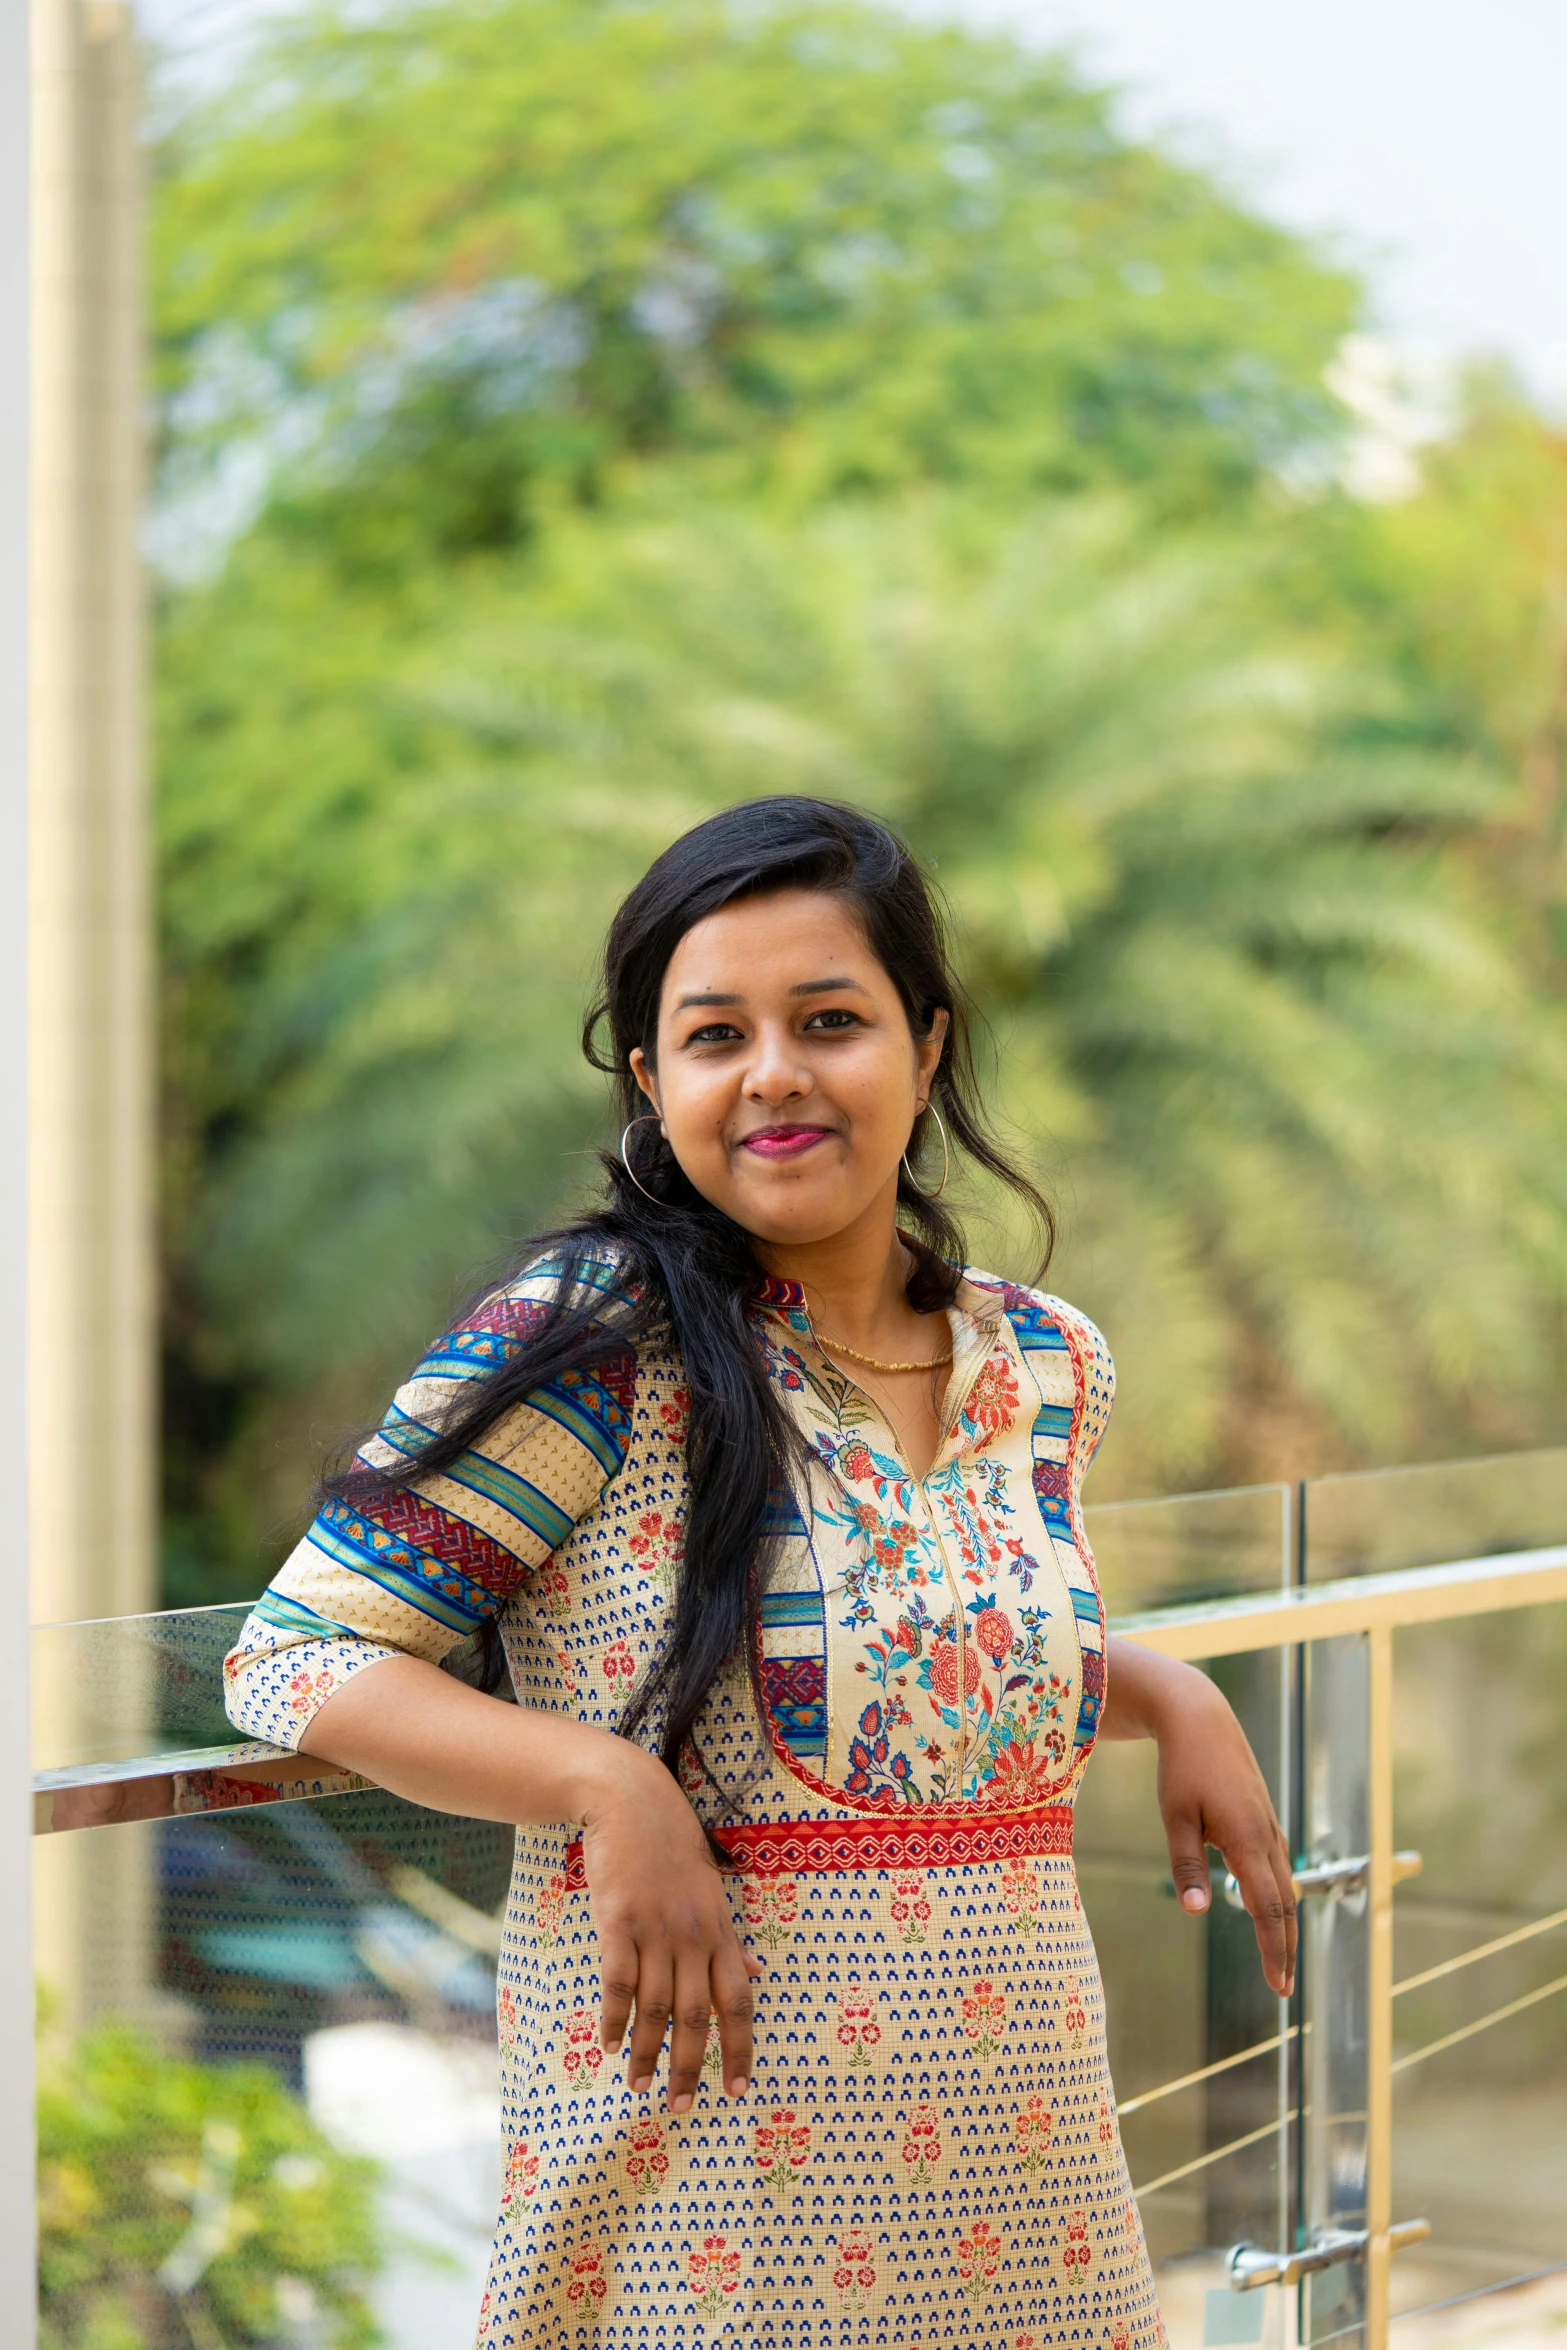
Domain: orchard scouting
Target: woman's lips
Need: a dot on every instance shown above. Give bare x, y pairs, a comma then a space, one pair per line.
784, 1142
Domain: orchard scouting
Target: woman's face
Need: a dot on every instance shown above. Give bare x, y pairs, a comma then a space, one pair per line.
787, 1078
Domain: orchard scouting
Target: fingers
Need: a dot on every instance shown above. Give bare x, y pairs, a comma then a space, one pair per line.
684, 1989
1262, 1871
617, 1988
734, 1971
1284, 1876
1189, 1862
693, 2013
655, 2006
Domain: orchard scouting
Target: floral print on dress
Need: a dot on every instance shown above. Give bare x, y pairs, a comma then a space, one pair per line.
713, 2275
618, 1666
910, 1907
1033, 2131
1022, 1894
979, 2258
674, 1415
647, 2160
984, 2018
307, 1691
858, 2029
522, 2177
549, 1907
854, 2266
586, 2283
922, 2145
554, 1587
582, 2056
772, 1908
783, 2147
874, 1769
1077, 2253
992, 1402
506, 2015
656, 1543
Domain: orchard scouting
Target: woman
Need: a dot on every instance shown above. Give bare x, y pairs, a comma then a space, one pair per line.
775, 1511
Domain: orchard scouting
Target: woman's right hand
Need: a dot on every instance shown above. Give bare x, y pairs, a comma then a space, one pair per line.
669, 1954
669, 1951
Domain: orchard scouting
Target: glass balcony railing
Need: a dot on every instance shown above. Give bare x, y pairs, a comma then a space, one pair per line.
334, 1948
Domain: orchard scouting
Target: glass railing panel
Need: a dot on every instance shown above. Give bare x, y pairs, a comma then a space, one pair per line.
127, 1686
309, 1990
347, 1947
1207, 2138
1380, 1519
1480, 2144
1191, 1546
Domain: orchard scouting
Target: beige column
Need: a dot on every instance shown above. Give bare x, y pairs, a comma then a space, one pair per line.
91, 1339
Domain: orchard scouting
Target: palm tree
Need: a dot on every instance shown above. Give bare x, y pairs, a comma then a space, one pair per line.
1254, 1016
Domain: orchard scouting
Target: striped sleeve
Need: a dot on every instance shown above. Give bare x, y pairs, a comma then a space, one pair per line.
1098, 1394
417, 1572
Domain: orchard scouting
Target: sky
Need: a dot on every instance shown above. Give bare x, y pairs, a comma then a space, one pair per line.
1427, 137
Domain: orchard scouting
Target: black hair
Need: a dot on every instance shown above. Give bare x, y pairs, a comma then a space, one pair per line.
686, 1274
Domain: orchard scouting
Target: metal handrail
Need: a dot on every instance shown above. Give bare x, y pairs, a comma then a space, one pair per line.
1377, 1606
1355, 1603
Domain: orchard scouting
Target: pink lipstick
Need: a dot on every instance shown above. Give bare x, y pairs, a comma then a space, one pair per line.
784, 1142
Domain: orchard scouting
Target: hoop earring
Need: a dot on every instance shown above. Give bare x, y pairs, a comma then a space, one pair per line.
946, 1160
649, 1117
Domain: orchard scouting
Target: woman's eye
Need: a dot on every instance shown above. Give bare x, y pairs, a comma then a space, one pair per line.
716, 1032
834, 1017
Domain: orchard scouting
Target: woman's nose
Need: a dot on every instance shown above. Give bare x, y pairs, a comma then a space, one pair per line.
776, 1073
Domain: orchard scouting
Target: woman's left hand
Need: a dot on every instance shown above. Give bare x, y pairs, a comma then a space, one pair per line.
1211, 1791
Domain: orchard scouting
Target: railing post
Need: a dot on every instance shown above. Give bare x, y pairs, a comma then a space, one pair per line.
1379, 2015
18, 2258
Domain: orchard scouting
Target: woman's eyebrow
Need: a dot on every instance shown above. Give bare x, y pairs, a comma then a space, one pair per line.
710, 996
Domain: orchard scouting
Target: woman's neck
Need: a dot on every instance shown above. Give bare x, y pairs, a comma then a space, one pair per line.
856, 1284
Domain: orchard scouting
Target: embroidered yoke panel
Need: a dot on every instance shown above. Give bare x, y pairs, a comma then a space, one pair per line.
940, 1639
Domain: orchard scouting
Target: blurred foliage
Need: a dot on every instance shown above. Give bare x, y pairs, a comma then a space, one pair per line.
576, 418
459, 256
1211, 884
188, 2203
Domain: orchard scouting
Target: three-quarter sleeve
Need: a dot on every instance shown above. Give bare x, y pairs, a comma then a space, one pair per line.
417, 1570
1098, 1394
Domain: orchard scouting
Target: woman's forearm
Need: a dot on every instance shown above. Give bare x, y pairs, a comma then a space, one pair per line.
1143, 1689
417, 1732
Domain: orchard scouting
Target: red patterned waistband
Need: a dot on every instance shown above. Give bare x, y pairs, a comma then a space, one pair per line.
879, 1840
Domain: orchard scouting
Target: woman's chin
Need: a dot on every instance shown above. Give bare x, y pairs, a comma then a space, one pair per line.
791, 1217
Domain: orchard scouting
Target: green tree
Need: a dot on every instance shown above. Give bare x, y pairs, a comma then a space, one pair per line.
423, 267
1302, 1108
194, 2203
1465, 583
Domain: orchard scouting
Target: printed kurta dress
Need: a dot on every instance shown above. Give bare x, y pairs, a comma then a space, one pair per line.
928, 2156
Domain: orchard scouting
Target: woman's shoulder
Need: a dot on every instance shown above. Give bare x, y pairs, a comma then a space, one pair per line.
590, 1276
1040, 1317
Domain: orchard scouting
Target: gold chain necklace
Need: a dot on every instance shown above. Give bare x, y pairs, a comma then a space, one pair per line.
837, 1347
